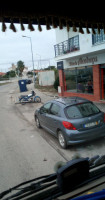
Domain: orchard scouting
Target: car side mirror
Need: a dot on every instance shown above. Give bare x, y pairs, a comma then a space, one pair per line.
42, 110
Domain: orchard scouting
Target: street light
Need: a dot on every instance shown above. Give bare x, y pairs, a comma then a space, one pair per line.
40, 60
32, 57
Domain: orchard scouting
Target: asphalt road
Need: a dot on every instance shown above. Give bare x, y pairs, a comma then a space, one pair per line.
84, 150
24, 154
27, 152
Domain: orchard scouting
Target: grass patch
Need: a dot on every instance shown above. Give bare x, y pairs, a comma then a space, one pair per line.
4, 83
46, 88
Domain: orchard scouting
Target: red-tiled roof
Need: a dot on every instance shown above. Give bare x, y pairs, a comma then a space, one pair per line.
2, 73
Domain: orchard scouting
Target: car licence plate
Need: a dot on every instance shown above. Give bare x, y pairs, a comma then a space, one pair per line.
91, 124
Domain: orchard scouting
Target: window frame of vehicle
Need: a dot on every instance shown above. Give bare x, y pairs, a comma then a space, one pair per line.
42, 109
53, 112
78, 108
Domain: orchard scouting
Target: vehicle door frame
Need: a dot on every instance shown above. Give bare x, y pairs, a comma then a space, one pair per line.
43, 116
52, 126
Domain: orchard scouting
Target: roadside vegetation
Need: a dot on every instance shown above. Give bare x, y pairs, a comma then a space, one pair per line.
19, 70
14, 73
4, 83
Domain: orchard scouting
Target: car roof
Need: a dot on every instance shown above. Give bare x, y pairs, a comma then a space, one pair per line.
70, 100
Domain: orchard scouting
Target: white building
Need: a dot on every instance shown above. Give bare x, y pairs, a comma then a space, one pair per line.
25, 71
83, 61
13, 68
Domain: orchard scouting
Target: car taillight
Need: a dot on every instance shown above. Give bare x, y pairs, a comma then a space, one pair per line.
68, 125
104, 117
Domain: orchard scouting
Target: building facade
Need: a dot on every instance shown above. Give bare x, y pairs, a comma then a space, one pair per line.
81, 63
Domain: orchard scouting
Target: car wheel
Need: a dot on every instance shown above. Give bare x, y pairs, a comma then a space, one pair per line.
37, 122
62, 140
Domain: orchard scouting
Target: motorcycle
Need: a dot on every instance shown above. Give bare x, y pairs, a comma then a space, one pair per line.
29, 98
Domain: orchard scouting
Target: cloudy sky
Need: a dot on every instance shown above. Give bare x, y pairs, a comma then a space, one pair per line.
14, 47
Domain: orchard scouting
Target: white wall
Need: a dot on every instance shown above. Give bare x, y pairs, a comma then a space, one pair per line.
61, 35
85, 41
46, 78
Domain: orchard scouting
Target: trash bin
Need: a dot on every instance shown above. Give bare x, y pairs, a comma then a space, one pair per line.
22, 85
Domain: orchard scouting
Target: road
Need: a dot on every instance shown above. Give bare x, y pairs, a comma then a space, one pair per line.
84, 150
25, 151
24, 154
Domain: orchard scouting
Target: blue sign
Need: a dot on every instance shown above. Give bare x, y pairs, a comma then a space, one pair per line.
60, 65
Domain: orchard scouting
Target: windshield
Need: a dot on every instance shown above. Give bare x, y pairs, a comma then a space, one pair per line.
88, 109
82, 110
53, 63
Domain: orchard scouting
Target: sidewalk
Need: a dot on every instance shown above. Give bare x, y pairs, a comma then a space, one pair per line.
27, 113
45, 96
28, 109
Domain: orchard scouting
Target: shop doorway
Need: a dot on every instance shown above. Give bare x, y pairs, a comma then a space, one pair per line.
103, 83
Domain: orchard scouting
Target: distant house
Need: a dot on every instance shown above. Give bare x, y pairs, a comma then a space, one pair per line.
12, 68
2, 73
25, 71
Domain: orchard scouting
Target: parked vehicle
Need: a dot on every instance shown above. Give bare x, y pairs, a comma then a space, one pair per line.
29, 98
72, 120
28, 81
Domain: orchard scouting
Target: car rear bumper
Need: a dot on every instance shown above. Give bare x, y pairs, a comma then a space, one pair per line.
84, 136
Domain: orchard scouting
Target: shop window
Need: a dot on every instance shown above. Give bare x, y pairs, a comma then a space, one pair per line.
79, 79
70, 79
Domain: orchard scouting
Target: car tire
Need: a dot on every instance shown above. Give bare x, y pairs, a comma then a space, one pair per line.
37, 122
62, 140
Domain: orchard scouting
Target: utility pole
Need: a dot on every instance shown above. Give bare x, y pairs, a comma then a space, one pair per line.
32, 58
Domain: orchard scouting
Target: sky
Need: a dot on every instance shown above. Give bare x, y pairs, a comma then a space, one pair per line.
14, 47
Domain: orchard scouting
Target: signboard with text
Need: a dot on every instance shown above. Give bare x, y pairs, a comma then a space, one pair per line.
60, 65
88, 60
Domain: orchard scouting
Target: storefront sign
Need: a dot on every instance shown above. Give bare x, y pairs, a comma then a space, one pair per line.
60, 65
84, 61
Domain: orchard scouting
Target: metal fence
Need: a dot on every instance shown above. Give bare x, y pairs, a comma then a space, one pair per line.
70, 45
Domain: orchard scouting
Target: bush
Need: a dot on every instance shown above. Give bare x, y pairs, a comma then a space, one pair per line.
56, 83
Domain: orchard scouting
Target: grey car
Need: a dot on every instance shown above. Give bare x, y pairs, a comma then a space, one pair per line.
72, 120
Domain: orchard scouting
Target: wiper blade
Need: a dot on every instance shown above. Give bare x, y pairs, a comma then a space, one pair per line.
36, 185
96, 161
29, 191
51, 185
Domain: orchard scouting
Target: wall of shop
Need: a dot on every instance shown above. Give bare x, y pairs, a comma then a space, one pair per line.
96, 84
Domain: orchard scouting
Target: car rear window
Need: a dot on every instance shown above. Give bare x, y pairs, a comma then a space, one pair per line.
81, 110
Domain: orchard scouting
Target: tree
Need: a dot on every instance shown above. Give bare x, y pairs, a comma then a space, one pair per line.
10, 74
50, 68
56, 83
20, 67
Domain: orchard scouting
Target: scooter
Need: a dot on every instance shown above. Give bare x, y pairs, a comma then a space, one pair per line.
29, 98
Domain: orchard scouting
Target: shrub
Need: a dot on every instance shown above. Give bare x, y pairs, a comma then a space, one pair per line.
56, 83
